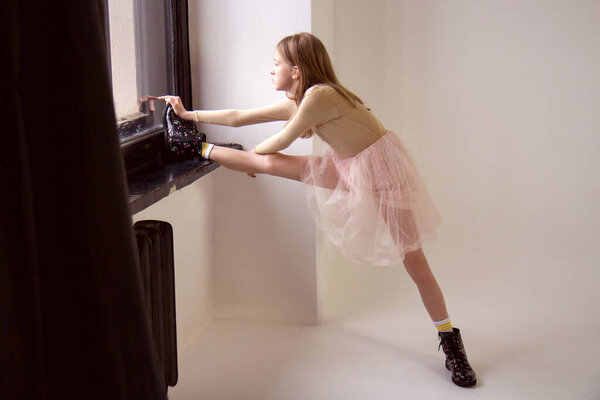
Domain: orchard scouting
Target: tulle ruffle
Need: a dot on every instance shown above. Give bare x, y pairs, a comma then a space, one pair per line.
374, 206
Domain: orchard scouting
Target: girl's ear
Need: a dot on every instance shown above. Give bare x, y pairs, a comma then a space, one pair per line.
295, 72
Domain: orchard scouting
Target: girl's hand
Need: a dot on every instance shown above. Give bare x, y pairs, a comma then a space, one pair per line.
177, 105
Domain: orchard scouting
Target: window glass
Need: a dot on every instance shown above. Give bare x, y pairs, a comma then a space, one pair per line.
140, 63
122, 50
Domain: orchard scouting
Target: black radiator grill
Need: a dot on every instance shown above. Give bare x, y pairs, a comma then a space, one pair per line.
155, 246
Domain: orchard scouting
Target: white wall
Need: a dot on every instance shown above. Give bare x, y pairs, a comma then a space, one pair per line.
189, 211
264, 249
497, 101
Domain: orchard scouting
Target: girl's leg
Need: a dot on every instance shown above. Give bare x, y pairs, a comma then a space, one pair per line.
450, 340
276, 164
417, 267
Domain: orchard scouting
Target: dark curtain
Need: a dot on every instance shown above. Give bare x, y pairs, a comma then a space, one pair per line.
71, 308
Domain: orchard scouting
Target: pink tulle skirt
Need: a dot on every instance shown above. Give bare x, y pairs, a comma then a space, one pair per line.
374, 206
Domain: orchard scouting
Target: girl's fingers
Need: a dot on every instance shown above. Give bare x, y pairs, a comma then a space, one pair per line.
166, 98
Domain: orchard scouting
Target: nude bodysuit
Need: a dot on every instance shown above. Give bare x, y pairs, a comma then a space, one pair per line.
347, 129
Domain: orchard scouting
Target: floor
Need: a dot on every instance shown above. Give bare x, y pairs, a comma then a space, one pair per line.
388, 356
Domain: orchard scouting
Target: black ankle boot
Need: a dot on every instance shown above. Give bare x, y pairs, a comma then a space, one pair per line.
181, 136
456, 358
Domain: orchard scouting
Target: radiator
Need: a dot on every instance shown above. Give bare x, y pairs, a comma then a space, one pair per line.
155, 246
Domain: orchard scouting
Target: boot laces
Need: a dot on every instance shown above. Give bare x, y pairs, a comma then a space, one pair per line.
456, 355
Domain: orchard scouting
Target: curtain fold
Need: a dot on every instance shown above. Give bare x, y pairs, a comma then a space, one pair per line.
73, 320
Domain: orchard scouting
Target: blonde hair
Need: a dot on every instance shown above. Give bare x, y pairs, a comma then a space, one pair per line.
308, 53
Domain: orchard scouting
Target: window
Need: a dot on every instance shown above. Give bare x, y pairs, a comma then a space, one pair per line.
149, 56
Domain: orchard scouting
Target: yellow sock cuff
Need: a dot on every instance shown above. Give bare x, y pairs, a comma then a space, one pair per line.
206, 148
443, 325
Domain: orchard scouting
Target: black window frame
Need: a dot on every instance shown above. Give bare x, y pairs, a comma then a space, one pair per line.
147, 148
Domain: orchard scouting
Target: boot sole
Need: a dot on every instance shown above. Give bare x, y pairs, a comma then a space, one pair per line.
461, 384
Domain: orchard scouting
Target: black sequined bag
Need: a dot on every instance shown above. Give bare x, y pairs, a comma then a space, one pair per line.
181, 136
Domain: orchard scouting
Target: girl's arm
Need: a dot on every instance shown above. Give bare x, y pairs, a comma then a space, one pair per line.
316, 108
280, 111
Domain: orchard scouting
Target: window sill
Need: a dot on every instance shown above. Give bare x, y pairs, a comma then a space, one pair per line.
151, 185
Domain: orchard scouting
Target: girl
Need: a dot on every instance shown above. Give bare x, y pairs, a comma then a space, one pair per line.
364, 192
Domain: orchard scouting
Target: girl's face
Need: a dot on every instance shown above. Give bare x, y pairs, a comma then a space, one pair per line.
285, 76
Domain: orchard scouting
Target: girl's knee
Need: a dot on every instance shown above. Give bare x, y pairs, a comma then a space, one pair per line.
268, 163
282, 165
416, 265
415, 257
419, 274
